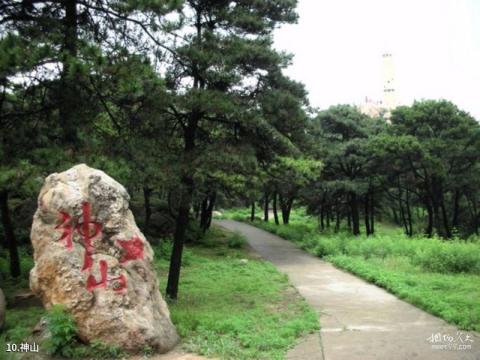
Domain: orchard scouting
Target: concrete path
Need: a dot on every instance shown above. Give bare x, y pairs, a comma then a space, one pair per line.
359, 321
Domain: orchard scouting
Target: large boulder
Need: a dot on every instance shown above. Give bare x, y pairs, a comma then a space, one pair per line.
91, 257
3, 309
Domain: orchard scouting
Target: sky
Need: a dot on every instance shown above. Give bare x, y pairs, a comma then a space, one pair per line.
338, 46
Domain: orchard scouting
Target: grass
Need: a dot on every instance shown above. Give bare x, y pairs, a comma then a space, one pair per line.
18, 328
440, 276
231, 304
235, 306
19, 322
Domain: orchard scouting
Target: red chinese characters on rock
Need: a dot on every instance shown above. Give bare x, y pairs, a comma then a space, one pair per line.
84, 229
120, 282
133, 249
92, 283
89, 230
66, 226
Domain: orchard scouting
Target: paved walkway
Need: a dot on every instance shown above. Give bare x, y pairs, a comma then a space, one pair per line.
359, 321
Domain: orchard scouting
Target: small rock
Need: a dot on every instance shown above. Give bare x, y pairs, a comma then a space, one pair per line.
40, 328
244, 261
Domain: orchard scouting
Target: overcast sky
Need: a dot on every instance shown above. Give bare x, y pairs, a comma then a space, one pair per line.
337, 47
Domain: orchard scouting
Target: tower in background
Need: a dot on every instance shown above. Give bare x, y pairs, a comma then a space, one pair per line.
383, 108
390, 101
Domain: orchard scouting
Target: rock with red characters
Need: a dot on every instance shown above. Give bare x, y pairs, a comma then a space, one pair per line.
91, 257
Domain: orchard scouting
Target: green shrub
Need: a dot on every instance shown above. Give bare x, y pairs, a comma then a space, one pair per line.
236, 241
164, 249
63, 339
432, 254
187, 257
63, 332
210, 239
310, 244
194, 232
455, 257
99, 350
327, 246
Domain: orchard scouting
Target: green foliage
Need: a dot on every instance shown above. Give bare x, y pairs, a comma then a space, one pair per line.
450, 257
236, 241
163, 251
63, 332
194, 232
148, 351
63, 339
19, 323
9, 284
433, 148
101, 351
18, 327
433, 254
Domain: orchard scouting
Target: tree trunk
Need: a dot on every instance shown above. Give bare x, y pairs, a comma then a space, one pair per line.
196, 209
355, 214
10, 238
409, 214
70, 26
289, 208
265, 207
147, 192
187, 182
211, 206
283, 207
178, 240
170, 202
181, 223
429, 229
322, 216
436, 219
367, 214
448, 232
337, 219
475, 215
286, 207
275, 212
328, 217
402, 212
69, 106
252, 212
372, 213
456, 209
204, 213
395, 215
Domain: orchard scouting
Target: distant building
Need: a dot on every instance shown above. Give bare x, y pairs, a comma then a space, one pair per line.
372, 108
384, 107
389, 92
